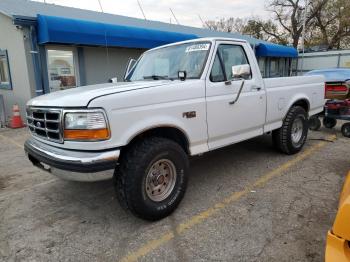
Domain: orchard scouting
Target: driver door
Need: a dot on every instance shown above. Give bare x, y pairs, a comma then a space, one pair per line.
231, 123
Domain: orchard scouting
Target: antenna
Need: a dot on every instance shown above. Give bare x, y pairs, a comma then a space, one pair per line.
106, 41
174, 16
200, 18
143, 13
99, 2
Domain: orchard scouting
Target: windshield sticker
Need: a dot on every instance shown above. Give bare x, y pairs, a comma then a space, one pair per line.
198, 47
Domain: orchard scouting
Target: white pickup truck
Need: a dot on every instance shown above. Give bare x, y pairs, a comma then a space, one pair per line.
177, 101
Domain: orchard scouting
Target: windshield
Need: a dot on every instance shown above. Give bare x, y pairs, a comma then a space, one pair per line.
165, 63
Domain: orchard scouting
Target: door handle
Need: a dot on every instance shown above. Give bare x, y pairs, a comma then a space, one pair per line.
256, 88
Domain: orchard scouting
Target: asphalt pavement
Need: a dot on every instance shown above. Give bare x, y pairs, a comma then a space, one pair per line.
246, 202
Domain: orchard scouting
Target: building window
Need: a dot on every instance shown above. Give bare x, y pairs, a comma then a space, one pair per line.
274, 67
261, 62
61, 69
294, 67
5, 77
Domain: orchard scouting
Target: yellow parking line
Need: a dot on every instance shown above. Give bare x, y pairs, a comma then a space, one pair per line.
11, 141
201, 217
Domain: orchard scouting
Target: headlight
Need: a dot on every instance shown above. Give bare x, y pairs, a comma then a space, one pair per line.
85, 126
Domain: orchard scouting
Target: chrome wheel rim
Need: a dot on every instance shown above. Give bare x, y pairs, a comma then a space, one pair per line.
160, 180
297, 130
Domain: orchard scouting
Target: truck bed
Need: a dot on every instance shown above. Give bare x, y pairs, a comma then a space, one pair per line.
284, 90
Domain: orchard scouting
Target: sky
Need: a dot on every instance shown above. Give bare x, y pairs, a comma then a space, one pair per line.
187, 12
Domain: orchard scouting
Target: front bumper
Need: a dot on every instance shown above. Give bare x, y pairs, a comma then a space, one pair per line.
337, 249
82, 163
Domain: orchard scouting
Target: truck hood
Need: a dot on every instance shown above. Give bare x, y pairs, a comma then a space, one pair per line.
81, 96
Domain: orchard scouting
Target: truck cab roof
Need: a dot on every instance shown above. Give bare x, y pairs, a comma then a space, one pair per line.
209, 39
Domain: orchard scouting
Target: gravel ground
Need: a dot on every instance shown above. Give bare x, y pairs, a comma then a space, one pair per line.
246, 202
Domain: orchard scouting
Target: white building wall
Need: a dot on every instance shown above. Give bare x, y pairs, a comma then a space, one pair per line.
12, 40
323, 60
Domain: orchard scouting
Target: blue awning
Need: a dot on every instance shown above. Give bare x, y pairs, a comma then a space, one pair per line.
61, 30
273, 50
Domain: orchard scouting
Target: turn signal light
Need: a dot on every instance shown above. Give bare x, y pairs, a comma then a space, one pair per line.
85, 135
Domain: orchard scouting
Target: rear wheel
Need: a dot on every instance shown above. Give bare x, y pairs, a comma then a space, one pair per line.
345, 129
291, 137
314, 123
329, 122
152, 177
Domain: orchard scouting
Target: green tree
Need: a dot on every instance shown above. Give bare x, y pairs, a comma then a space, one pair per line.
254, 27
332, 25
327, 23
229, 25
265, 30
290, 14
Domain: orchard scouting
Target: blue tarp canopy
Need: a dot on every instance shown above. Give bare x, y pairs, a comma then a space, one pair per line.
273, 50
61, 30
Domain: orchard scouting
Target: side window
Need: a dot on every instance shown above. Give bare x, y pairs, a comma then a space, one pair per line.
217, 74
231, 55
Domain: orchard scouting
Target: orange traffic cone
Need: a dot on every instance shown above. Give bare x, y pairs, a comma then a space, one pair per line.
16, 120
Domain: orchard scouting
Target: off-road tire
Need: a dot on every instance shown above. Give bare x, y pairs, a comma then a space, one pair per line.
130, 177
282, 137
345, 129
329, 122
314, 123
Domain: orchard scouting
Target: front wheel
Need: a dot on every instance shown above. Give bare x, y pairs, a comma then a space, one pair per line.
291, 137
152, 177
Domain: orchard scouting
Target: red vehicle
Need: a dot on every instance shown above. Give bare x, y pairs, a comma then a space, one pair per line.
337, 107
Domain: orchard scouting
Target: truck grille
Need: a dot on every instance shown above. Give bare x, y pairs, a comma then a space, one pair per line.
45, 123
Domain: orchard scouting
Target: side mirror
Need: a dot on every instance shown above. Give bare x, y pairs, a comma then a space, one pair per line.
241, 71
129, 67
113, 80
182, 75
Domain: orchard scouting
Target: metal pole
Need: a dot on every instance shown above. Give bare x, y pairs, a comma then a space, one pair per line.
99, 2
143, 13
303, 35
174, 16
2, 112
340, 10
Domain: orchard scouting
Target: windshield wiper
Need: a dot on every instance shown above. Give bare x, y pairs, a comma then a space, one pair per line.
156, 77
